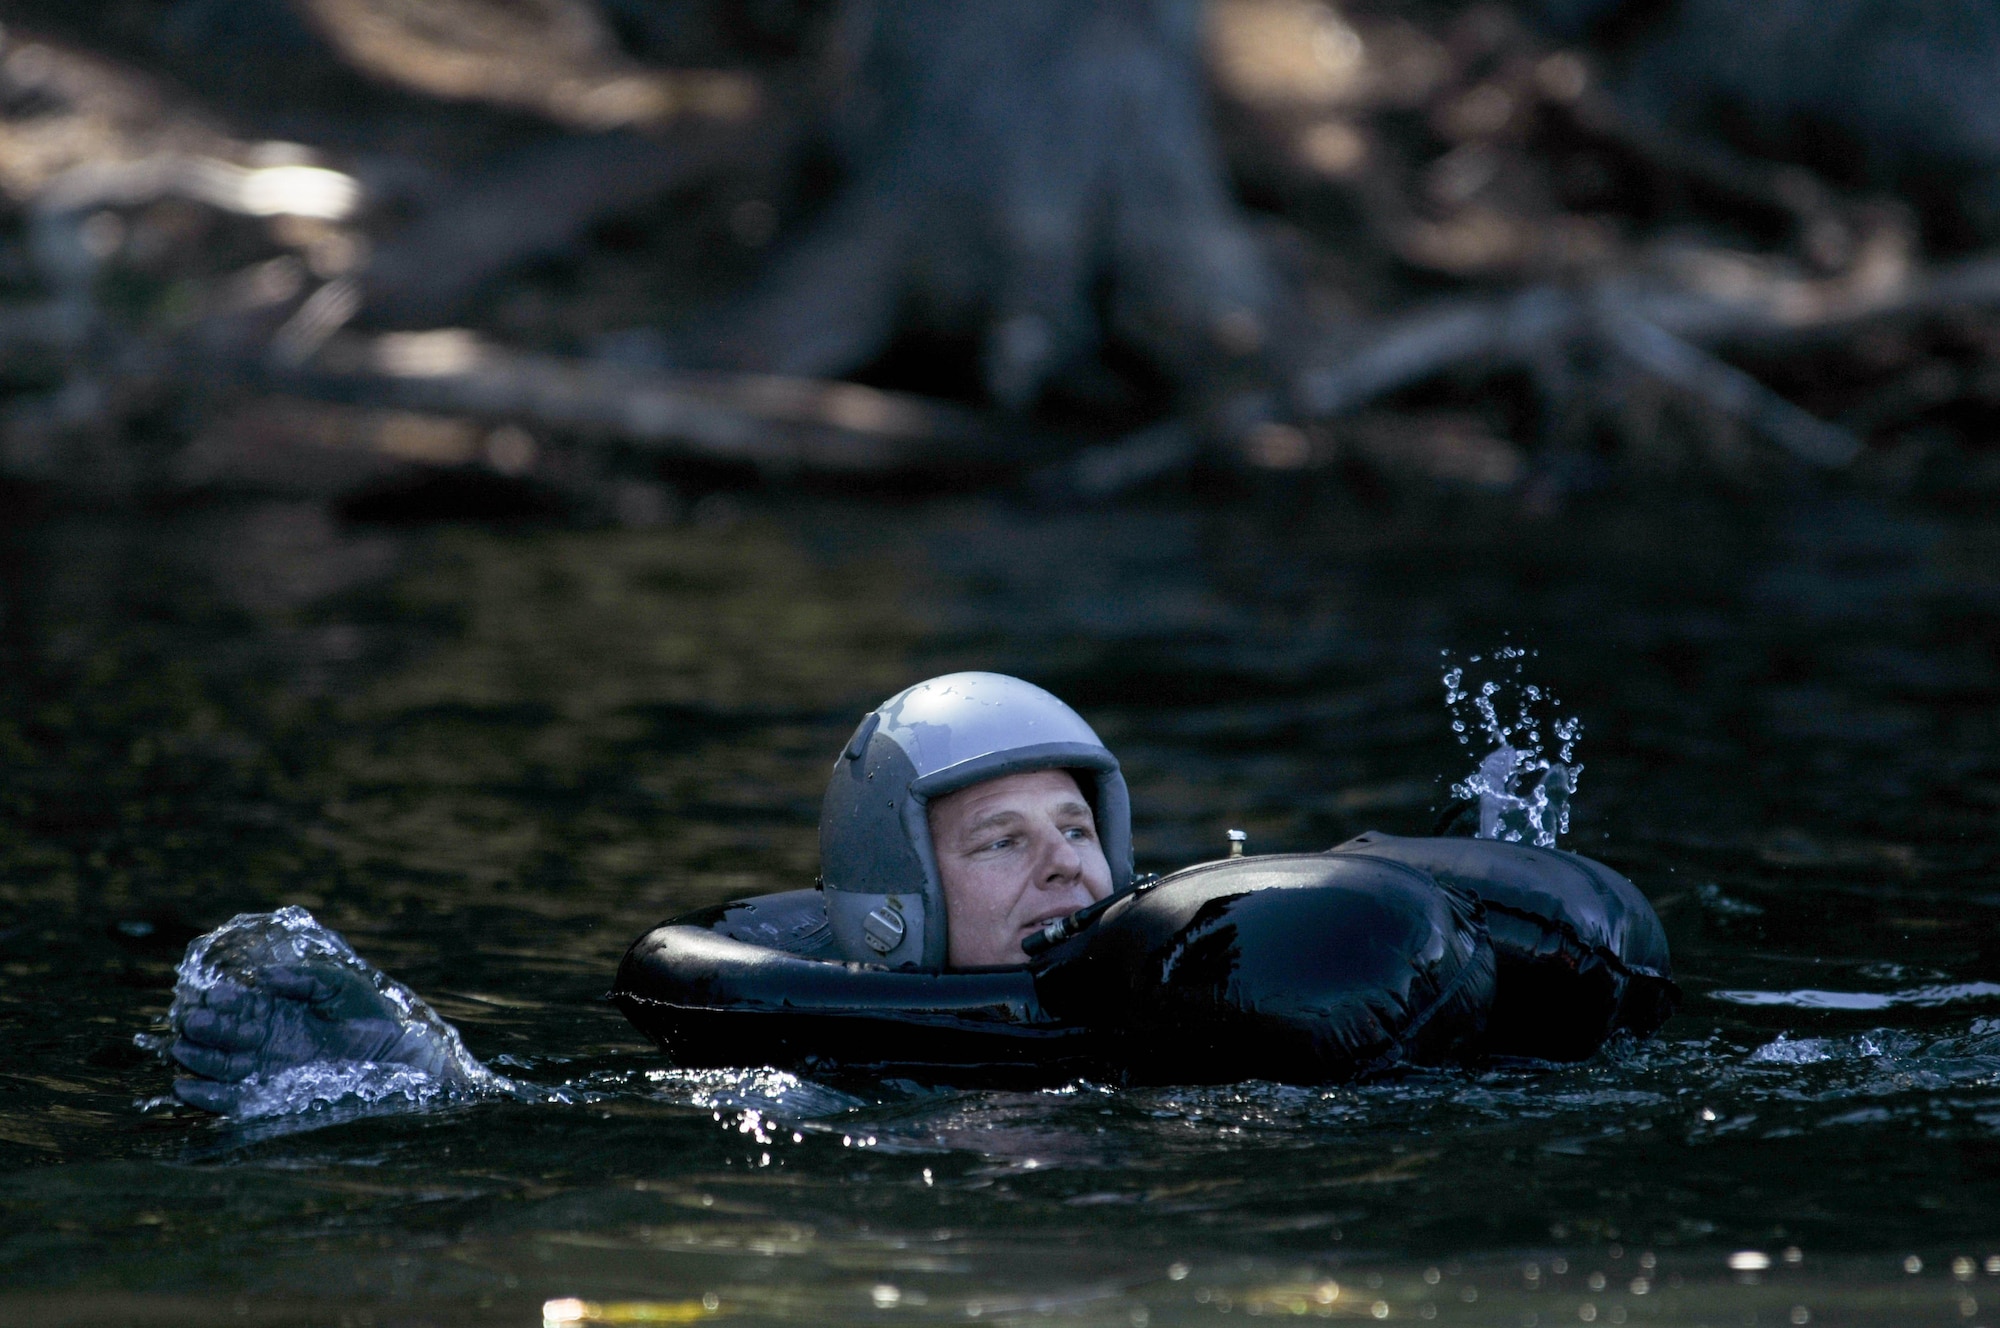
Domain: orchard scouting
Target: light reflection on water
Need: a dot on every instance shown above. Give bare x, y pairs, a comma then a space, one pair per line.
491, 758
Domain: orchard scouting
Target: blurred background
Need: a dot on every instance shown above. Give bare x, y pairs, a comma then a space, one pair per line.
465, 465
595, 258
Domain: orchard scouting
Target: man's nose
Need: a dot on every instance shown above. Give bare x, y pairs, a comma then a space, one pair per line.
1062, 863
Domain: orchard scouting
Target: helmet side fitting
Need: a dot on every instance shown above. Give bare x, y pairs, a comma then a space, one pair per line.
884, 895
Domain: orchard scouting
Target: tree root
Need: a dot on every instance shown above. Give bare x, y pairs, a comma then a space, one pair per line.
1037, 175
539, 204
786, 425
1657, 328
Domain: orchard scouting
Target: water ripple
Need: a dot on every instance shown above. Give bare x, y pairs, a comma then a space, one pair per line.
1927, 997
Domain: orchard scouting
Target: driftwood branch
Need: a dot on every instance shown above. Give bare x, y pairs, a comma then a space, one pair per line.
787, 425
778, 424
288, 340
1663, 327
1678, 364
1128, 463
1411, 349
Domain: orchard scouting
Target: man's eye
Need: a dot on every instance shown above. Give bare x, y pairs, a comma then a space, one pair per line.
1079, 832
1005, 842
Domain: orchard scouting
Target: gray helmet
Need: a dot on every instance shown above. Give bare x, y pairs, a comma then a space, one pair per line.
877, 867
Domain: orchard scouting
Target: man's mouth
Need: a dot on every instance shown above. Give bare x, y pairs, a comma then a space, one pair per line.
1030, 928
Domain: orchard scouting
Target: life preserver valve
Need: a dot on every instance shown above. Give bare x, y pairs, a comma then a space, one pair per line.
883, 928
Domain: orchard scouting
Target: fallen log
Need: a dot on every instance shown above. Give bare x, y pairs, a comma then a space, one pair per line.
1662, 328
1666, 326
782, 426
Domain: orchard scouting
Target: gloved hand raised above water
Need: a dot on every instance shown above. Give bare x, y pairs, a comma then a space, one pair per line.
272, 1011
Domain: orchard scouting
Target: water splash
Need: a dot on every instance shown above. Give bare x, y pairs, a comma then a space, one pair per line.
1523, 790
358, 1087
766, 1092
330, 1027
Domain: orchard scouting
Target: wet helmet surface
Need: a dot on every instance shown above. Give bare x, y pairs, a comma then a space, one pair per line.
884, 899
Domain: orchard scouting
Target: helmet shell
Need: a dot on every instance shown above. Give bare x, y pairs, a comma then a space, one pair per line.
884, 898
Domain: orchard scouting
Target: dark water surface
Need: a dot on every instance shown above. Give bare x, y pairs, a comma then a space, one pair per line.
492, 757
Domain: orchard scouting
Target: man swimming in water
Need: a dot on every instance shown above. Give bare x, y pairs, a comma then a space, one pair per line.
964, 815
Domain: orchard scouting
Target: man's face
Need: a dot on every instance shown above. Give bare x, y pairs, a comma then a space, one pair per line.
1014, 853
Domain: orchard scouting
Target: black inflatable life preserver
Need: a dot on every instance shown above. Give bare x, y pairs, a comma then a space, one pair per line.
1302, 968
1581, 954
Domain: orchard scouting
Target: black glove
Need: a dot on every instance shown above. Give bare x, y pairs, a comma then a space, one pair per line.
268, 992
